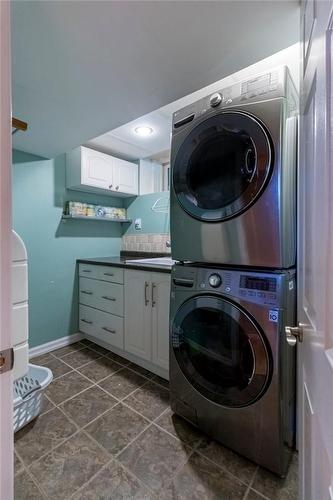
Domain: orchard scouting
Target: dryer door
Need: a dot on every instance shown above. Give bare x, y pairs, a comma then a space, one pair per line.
221, 351
222, 166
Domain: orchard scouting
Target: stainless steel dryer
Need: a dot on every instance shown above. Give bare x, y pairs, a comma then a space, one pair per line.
233, 170
232, 372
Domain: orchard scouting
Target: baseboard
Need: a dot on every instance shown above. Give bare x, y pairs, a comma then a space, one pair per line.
55, 344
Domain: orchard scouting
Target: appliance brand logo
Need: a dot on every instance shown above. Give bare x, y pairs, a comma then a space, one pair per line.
273, 316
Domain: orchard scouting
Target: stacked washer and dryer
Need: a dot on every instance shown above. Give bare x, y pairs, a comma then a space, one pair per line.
233, 231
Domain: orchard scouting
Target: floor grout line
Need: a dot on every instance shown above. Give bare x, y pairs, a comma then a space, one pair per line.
224, 469
84, 485
134, 439
131, 473
39, 488
149, 422
83, 429
30, 475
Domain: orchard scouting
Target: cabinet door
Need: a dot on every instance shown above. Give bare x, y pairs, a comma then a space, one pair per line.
96, 169
125, 176
138, 313
160, 319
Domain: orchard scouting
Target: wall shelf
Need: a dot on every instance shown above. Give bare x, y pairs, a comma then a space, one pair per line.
85, 217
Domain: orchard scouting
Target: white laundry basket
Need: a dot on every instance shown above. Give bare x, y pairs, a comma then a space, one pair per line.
29, 393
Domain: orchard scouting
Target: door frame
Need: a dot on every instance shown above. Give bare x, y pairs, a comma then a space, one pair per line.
6, 392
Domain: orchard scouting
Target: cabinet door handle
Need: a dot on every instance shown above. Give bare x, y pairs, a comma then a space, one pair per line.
117, 187
86, 270
108, 329
86, 292
86, 321
146, 296
153, 301
108, 274
110, 187
108, 298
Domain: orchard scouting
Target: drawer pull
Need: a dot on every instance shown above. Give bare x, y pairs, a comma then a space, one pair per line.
108, 274
86, 270
108, 329
86, 321
146, 289
108, 298
86, 292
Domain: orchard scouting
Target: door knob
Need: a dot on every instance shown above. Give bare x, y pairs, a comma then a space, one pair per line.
294, 333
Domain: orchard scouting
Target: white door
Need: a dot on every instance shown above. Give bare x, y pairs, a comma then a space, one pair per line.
6, 394
315, 269
125, 176
137, 290
97, 169
160, 319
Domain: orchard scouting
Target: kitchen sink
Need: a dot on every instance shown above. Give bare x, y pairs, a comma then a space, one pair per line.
159, 261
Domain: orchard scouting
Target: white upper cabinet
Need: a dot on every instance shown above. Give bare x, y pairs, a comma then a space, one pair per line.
96, 169
125, 176
90, 170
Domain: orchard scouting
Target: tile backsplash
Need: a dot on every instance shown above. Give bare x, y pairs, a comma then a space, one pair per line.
154, 243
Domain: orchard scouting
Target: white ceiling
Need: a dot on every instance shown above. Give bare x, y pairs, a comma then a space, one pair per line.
124, 142
82, 68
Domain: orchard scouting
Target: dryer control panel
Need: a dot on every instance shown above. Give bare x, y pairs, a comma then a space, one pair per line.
264, 288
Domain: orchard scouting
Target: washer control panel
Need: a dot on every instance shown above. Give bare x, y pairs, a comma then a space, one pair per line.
264, 288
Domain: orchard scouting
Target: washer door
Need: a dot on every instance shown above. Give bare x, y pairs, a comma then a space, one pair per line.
221, 351
222, 166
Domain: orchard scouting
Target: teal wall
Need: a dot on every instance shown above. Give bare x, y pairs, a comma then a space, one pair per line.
152, 222
53, 245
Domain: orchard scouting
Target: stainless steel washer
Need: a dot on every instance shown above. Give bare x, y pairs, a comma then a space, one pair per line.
233, 170
232, 372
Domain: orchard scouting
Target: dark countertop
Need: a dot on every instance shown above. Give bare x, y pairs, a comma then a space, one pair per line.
123, 261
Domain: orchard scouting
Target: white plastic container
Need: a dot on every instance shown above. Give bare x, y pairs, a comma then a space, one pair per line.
28, 394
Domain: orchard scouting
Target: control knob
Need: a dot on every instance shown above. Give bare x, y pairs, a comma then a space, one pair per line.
215, 280
215, 99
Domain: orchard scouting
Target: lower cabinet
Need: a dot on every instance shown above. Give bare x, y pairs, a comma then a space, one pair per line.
126, 309
138, 313
147, 299
160, 319
102, 325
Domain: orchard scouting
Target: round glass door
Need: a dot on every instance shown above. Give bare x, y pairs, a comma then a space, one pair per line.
221, 351
222, 166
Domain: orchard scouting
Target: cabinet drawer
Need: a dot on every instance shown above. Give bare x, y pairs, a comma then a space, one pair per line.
101, 325
105, 273
108, 297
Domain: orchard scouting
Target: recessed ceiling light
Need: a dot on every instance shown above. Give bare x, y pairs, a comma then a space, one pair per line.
143, 131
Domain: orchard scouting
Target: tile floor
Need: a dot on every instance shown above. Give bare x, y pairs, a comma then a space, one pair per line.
106, 432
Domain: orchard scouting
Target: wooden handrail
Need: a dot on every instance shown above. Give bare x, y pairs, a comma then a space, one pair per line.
19, 124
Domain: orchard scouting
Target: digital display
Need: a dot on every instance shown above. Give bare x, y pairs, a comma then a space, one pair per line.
255, 283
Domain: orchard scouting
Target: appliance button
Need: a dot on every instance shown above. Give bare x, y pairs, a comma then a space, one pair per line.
215, 99
227, 289
260, 294
215, 280
242, 292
